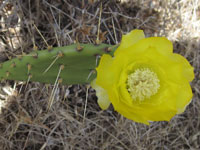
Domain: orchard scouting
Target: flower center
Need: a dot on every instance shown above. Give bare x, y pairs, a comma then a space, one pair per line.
142, 84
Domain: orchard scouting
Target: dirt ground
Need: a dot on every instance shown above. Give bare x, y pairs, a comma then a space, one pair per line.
24, 123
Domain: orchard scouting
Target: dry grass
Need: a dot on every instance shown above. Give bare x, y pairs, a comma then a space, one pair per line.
24, 122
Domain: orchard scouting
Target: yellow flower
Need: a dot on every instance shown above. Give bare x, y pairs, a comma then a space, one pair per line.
145, 81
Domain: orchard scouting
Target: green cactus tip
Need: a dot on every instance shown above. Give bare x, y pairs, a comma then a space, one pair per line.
74, 64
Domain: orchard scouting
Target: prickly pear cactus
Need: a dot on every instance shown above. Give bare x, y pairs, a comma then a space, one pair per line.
72, 64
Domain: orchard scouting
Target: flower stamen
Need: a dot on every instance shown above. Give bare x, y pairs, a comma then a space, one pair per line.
142, 84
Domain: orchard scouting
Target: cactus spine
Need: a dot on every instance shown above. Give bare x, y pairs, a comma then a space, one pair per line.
74, 64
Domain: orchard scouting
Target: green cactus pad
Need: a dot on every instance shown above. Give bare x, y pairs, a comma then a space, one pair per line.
79, 62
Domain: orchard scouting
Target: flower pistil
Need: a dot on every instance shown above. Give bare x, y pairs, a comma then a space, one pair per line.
142, 84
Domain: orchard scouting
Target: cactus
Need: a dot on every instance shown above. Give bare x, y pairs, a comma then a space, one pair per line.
73, 64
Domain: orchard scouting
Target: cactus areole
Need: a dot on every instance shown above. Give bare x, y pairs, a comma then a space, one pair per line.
73, 64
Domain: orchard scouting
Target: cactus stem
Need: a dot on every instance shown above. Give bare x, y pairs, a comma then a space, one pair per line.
29, 67
31, 55
29, 77
79, 47
55, 87
35, 55
107, 50
19, 57
91, 72
97, 59
7, 74
58, 56
60, 80
49, 48
13, 65
77, 67
62, 67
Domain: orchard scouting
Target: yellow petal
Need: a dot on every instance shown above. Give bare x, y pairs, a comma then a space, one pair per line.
103, 71
184, 97
188, 70
161, 44
138, 52
129, 39
102, 95
143, 112
133, 116
108, 72
175, 66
